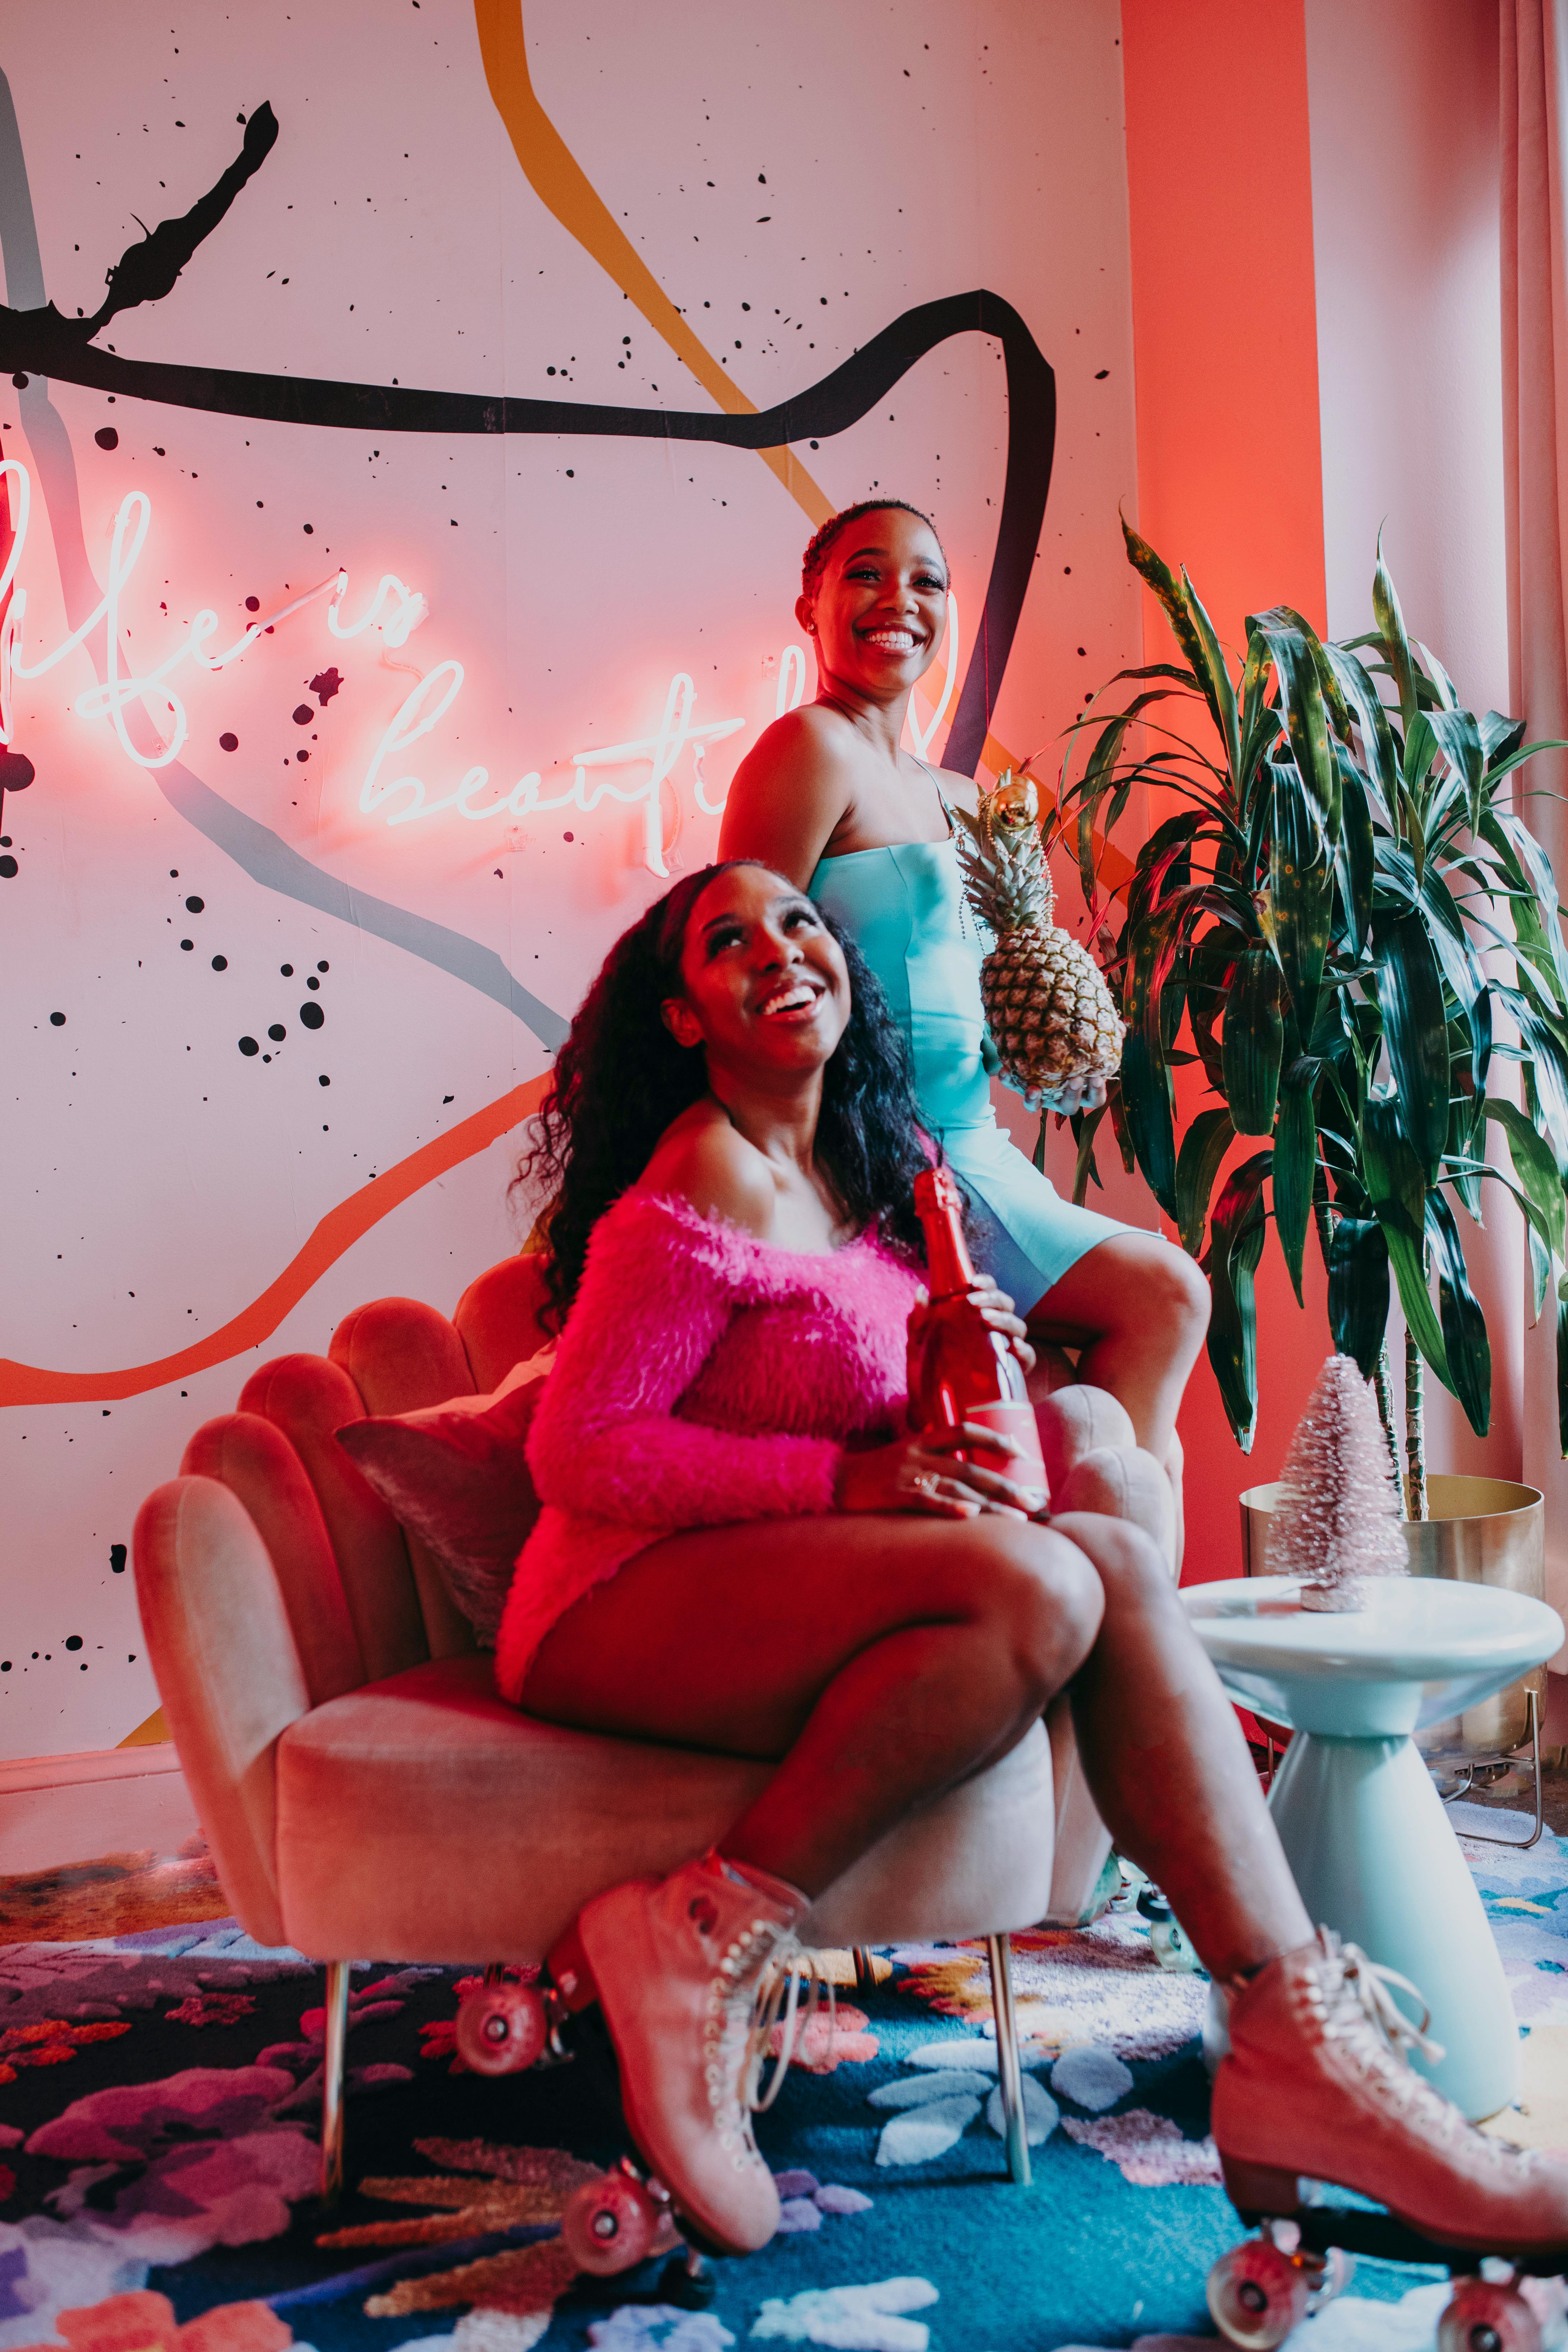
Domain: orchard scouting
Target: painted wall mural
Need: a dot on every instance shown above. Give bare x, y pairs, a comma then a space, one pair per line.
410, 419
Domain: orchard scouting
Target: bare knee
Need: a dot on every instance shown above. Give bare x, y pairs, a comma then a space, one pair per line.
1132, 1571
1040, 1596
1165, 1292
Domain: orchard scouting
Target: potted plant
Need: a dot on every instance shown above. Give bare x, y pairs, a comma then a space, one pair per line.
1306, 930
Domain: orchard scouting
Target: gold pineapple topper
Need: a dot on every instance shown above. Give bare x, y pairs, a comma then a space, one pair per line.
1050, 1012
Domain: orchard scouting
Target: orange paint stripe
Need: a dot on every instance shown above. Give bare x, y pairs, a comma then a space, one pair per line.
338, 1231
559, 183
561, 186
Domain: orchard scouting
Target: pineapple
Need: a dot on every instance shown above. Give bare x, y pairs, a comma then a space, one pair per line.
1050, 1012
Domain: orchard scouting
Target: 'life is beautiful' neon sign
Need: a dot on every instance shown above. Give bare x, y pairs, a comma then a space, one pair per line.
394, 613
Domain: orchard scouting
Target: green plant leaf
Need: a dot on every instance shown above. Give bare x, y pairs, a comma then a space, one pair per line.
1086, 1124
1358, 1290
1295, 1167
1302, 695
1533, 866
1382, 763
1396, 644
1415, 1025
1356, 856
1252, 1043
1157, 574
1461, 738
1146, 1107
1117, 1109
1540, 1273
1464, 1325
1237, 1230
1397, 1192
1301, 892
1216, 678
1536, 1170
1204, 1147
1547, 1068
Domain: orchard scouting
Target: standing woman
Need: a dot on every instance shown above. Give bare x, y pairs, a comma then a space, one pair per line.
827, 797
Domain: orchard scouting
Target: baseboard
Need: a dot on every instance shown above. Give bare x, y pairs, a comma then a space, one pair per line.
60, 1810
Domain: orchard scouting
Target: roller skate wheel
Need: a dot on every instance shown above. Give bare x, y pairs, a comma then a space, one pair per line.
1257, 2294
1484, 2317
610, 2225
501, 2029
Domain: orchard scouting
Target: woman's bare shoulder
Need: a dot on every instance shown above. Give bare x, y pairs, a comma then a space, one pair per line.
961, 790
790, 790
702, 1160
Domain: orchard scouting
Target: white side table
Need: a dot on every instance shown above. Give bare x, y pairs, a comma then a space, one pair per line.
1364, 1832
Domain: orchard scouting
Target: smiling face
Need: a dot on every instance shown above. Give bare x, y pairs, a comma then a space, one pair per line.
763, 981
879, 612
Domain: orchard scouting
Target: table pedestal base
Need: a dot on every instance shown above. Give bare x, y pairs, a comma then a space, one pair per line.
1375, 1857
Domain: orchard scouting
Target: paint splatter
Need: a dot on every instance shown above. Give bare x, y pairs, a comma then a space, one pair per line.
248, 1045
106, 437
228, 742
324, 684
311, 1016
304, 714
117, 1560
57, 1020
17, 772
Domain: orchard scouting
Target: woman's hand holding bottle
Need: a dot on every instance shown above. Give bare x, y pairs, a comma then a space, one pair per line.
920, 1473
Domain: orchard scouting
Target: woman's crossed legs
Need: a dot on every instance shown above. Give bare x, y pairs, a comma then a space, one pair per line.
882, 1660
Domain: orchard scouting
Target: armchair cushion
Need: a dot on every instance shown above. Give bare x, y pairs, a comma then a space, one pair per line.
455, 1475
426, 1817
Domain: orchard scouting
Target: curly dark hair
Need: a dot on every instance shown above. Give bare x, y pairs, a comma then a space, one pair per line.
620, 1079
813, 561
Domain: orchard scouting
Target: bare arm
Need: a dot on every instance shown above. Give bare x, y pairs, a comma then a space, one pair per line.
791, 793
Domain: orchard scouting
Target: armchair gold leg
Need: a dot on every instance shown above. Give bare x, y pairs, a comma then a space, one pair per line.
1009, 2075
333, 2082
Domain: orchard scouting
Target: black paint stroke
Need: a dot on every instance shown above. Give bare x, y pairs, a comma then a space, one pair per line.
147, 271
39, 341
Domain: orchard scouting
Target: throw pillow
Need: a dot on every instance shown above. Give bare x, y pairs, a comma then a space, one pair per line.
455, 1475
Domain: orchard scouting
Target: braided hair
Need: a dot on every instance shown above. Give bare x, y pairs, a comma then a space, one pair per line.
620, 1079
814, 563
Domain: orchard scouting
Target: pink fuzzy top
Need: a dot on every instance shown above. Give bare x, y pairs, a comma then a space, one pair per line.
703, 1378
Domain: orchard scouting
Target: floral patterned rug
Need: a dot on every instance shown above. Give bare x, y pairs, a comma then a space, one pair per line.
158, 2158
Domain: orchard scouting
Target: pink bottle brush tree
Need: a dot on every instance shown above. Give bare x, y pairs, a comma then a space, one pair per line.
1337, 1520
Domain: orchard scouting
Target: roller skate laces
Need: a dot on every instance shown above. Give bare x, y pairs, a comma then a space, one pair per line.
1349, 1999
755, 1989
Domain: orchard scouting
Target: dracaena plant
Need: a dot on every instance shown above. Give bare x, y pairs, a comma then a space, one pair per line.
1344, 928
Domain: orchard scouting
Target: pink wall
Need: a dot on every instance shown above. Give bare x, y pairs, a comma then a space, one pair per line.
1229, 483
700, 211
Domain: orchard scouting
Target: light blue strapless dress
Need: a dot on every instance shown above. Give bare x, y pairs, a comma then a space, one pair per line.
904, 908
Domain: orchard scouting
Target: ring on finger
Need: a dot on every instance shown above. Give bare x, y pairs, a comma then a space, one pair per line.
926, 1483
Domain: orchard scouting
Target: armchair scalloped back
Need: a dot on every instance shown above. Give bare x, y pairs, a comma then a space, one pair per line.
362, 1786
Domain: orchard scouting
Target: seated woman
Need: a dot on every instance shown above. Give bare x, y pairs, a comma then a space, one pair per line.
734, 1141
827, 797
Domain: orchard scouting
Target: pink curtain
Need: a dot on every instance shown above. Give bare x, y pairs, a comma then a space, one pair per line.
1534, 255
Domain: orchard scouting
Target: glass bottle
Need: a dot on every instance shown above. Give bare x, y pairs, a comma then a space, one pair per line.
966, 1371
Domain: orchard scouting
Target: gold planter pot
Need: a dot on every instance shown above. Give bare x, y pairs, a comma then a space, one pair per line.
1478, 1531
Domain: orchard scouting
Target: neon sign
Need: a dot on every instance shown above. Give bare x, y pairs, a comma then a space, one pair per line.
394, 611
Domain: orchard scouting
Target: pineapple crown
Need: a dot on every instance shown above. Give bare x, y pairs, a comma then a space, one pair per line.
1002, 857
